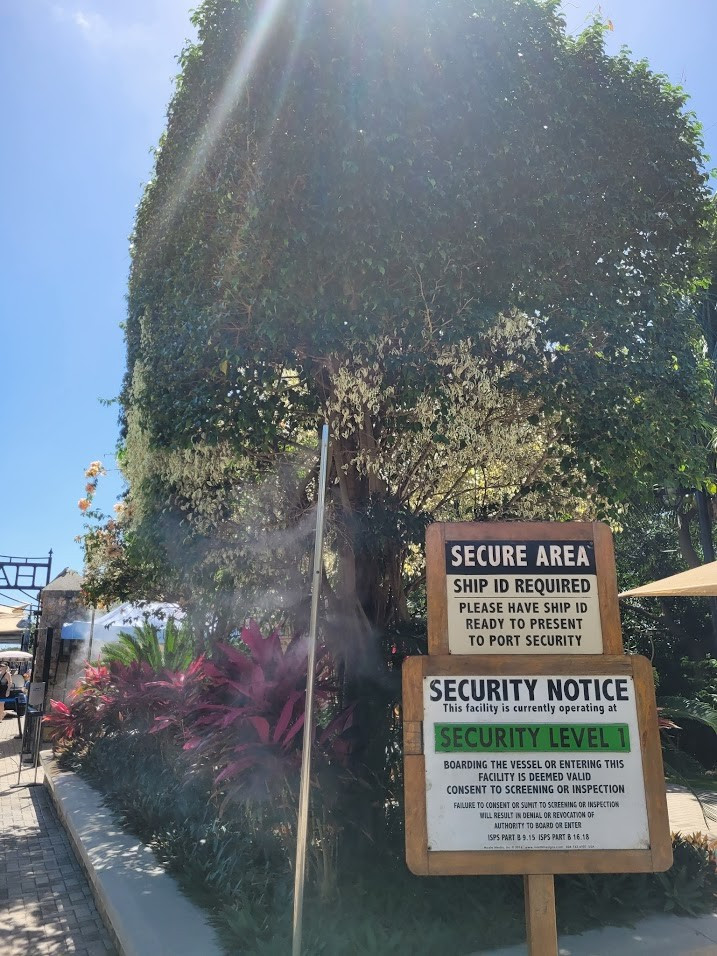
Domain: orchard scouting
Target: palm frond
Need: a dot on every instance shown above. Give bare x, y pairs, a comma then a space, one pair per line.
143, 647
681, 708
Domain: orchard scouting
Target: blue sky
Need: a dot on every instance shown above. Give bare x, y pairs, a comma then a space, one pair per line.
85, 84
85, 88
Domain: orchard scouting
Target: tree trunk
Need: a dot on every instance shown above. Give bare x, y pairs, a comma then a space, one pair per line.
684, 538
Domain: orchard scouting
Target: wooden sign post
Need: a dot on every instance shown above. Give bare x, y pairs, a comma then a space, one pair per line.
531, 743
540, 922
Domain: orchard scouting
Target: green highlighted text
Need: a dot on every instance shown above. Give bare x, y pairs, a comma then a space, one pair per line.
535, 738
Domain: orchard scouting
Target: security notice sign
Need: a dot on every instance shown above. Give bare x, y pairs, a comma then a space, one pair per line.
526, 761
522, 588
535, 762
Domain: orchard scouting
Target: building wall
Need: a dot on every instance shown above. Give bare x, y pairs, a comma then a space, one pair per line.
58, 608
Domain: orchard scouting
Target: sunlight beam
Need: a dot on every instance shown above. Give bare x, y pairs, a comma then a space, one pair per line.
231, 91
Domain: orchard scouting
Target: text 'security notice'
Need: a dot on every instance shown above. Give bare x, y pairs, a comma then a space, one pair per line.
533, 763
522, 597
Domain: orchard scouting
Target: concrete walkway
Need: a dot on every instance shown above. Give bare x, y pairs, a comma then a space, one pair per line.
46, 906
690, 815
659, 935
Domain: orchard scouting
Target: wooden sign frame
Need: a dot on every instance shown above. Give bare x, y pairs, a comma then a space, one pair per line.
424, 862
596, 531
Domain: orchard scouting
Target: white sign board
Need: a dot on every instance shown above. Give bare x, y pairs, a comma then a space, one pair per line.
533, 763
522, 597
36, 694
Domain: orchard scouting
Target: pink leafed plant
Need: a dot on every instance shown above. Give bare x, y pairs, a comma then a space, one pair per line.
248, 725
238, 714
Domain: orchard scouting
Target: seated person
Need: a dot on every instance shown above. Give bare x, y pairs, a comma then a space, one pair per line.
16, 690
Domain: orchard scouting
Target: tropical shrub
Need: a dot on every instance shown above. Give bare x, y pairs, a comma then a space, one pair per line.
681, 764
240, 712
117, 702
690, 884
250, 718
176, 653
233, 722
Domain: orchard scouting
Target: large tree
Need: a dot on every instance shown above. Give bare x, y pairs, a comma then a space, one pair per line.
465, 238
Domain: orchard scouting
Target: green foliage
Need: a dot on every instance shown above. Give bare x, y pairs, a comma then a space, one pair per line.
408, 218
593, 900
687, 888
681, 763
680, 708
689, 884
700, 679
236, 859
239, 868
471, 243
293, 227
653, 543
236, 717
143, 647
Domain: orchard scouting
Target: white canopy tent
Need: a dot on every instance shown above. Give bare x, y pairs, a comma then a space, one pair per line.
127, 617
15, 655
697, 582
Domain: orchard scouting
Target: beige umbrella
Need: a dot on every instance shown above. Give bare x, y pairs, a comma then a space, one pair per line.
10, 617
697, 582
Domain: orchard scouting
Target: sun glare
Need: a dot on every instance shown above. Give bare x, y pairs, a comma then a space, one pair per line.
247, 56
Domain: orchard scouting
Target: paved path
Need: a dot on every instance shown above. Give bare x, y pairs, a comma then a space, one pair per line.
690, 815
46, 906
658, 935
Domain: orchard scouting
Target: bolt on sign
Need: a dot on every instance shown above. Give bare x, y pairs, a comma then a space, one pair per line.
522, 588
522, 766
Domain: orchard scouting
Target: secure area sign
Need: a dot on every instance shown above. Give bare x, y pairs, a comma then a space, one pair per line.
522, 588
510, 763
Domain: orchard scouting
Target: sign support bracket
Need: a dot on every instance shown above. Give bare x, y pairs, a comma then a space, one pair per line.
540, 924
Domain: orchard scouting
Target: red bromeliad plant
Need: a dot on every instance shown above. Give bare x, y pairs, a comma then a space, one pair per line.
247, 723
75, 725
239, 715
117, 698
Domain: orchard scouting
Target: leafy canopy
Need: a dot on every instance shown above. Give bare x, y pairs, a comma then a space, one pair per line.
349, 200
374, 154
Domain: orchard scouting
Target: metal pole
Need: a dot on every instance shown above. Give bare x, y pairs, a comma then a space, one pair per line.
38, 737
47, 661
36, 641
302, 823
24, 734
92, 634
19, 756
708, 551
